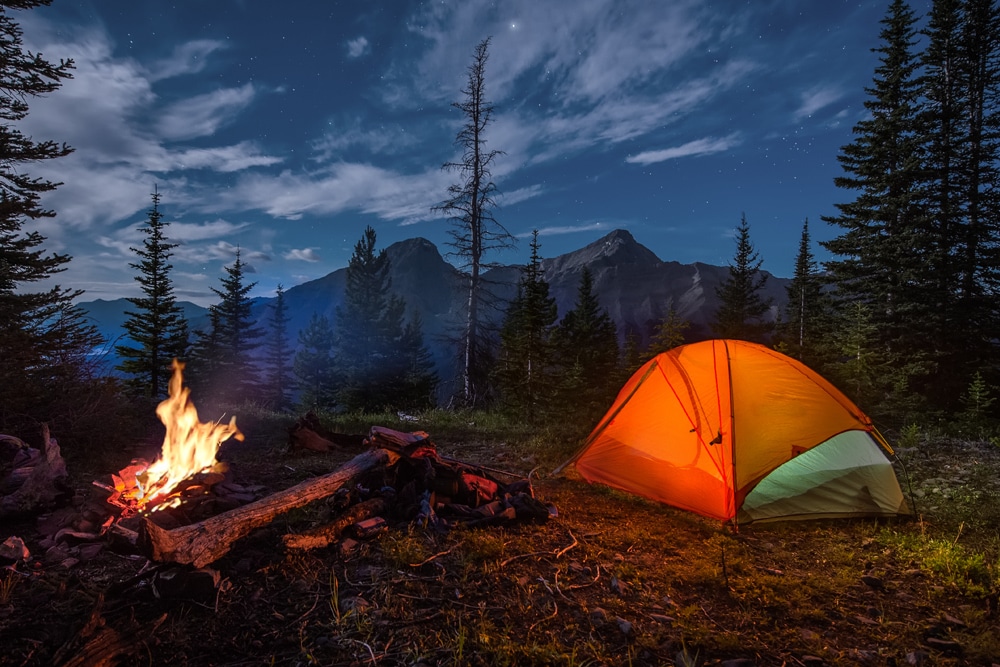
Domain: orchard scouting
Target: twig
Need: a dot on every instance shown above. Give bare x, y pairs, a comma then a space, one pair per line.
430, 558
572, 546
596, 577
370, 651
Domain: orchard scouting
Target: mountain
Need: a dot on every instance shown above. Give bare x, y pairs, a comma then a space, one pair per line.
635, 286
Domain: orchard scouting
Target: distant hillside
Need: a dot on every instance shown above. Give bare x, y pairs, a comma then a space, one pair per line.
632, 283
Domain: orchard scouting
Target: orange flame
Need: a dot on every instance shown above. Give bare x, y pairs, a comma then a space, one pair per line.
189, 446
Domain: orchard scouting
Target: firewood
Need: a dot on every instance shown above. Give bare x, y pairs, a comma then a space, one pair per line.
305, 438
206, 541
43, 486
324, 535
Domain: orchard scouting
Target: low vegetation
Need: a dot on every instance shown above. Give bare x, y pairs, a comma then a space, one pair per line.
613, 579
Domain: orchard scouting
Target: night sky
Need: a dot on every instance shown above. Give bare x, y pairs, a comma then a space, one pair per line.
285, 128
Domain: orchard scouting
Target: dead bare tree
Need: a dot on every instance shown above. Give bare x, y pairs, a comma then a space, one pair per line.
475, 231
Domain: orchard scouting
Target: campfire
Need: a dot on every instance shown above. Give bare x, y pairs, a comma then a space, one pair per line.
185, 508
189, 449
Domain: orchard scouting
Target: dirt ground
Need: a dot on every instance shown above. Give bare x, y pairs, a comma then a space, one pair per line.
610, 580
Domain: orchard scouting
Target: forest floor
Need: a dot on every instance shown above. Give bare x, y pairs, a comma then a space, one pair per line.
611, 580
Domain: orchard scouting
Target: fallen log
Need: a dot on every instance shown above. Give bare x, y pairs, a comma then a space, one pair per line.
205, 542
41, 484
323, 535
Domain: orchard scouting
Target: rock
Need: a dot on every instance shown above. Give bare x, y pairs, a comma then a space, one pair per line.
619, 586
598, 616
872, 581
873, 612
917, 657
13, 550
69, 563
863, 656
624, 625
89, 551
809, 635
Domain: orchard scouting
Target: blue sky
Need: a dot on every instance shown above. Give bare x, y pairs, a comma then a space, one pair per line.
285, 128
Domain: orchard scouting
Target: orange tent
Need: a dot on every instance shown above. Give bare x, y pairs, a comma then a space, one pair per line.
739, 432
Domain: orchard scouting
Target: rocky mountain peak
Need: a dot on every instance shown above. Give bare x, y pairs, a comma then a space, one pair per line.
616, 249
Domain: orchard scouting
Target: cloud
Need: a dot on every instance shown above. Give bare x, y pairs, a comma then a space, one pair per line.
202, 115
188, 58
815, 99
343, 134
357, 47
569, 229
697, 147
302, 254
185, 232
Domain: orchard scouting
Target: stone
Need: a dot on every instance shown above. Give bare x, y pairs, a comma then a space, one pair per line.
13, 550
917, 658
872, 581
624, 626
946, 646
598, 616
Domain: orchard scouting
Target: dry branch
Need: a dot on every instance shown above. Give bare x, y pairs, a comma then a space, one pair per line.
323, 535
206, 541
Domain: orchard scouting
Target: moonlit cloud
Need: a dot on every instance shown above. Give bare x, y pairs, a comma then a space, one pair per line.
357, 47
302, 254
693, 148
203, 115
815, 100
569, 229
188, 58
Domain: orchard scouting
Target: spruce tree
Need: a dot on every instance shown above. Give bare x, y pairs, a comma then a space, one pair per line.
278, 354
524, 367
801, 332
586, 342
668, 334
157, 325
420, 380
371, 363
742, 308
475, 231
975, 334
878, 257
313, 366
44, 337
228, 346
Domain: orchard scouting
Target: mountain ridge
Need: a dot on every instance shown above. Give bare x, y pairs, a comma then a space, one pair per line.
635, 286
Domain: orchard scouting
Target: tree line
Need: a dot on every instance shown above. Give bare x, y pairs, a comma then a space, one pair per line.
904, 317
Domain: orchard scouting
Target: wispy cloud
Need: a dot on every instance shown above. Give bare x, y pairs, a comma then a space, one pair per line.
357, 47
202, 115
349, 133
303, 254
569, 229
816, 99
188, 58
706, 146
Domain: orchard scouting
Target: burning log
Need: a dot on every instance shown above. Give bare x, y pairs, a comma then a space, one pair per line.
206, 541
324, 535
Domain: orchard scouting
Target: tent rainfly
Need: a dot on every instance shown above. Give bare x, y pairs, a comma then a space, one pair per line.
739, 432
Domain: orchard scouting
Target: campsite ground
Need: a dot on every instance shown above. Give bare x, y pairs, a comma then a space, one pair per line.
612, 580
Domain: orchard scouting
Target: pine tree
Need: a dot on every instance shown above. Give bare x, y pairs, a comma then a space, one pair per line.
880, 254
975, 333
371, 364
742, 308
157, 324
801, 332
228, 346
523, 371
475, 232
278, 354
586, 342
420, 380
42, 335
313, 367
669, 333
